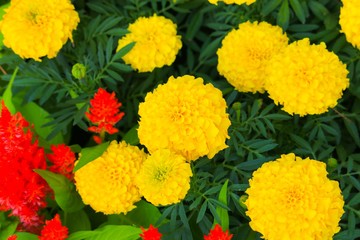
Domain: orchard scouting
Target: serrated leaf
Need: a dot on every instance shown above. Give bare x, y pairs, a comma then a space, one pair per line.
89, 154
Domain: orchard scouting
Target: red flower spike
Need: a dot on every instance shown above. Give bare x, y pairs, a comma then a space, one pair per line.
22, 191
151, 233
63, 160
104, 112
12, 237
218, 234
54, 230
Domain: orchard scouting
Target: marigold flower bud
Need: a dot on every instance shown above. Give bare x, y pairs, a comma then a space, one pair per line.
78, 71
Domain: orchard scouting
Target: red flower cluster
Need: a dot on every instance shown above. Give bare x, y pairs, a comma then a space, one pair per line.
151, 233
63, 160
218, 234
104, 113
54, 230
21, 190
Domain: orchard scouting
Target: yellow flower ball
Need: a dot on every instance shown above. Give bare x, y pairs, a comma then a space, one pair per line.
164, 178
107, 183
306, 79
38, 28
350, 21
156, 43
239, 2
245, 53
292, 198
185, 116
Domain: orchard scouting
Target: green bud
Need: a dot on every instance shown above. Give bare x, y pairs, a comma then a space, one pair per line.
332, 163
242, 201
78, 71
236, 106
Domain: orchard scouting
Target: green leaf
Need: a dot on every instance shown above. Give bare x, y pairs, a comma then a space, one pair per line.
123, 51
26, 236
7, 96
65, 194
131, 137
89, 154
111, 232
319, 10
77, 221
7, 229
270, 6
80, 235
194, 25
283, 15
299, 11
352, 130
223, 213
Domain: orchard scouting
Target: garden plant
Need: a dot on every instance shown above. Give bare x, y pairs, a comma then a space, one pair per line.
180, 119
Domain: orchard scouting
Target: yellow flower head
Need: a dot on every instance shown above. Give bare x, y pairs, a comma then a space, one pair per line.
239, 2
350, 21
306, 79
292, 198
38, 28
107, 183
156, 43
185, 116
245, 53
164, 178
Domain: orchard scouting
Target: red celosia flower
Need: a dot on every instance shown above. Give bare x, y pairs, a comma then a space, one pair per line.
54, 230
218, 234
104, 112
63, 160
151, 233
12, 237
22, 191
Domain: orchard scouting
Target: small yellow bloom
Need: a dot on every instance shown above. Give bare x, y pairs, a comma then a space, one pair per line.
107, 183
350, 21
185, 116
245, 53
38, 28
292, 198
306, 79
156, 43
164, 178
239, 2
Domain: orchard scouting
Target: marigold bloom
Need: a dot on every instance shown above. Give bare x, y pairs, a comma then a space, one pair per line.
54, 230
245, 53
38, 28
111, 175
239, 2
104, 112
22, 191
306, 79
185, 116
218, 234
63, 160
156, 43
350, 21
164, 178
151, 233
292, 198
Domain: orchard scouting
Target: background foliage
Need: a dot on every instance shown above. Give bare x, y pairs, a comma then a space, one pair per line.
260, 131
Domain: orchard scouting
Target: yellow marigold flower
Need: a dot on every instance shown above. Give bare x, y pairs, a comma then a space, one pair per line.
156, 43
38, 28
239, 2
245, 53
164, 178
107, 183
306, 79
350, 21
292, 198
185, 116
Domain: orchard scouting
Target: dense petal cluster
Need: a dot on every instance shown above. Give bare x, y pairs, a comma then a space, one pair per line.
164, 178
63, 160
54, 230
104, 112
107, 183
156, 43
245, 54
306, 79
22, 191
218, 234
151, 233
239, 2
185, 116
350, 21
292, 198
38, 28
